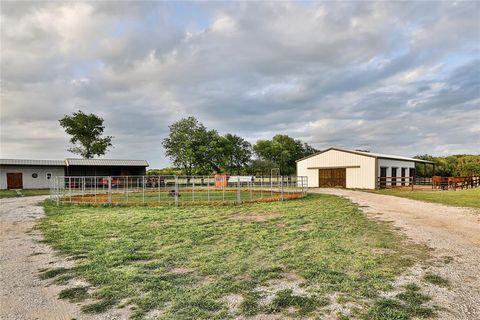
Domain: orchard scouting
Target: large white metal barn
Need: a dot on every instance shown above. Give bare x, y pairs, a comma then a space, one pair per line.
341, 168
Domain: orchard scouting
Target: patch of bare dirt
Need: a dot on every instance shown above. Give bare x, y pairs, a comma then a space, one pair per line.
233, 302
288, 281
452, 233
181, 270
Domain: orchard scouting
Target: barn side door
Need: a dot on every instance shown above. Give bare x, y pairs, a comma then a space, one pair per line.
332, 178
14, 181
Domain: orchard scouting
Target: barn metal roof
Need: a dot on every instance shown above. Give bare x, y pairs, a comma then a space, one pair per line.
370, 154
75, 162
106, 162
31, 162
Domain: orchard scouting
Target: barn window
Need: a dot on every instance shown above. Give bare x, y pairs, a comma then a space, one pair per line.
34, 175
404, 172
49, 175
394, 176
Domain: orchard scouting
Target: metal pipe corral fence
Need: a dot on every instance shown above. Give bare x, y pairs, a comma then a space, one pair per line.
175, 190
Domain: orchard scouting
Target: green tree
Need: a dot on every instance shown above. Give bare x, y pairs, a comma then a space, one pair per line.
86, 131
237, 152
261, 167
165, 172
193, 148
210, 154
454, 165
181, 145
283, 151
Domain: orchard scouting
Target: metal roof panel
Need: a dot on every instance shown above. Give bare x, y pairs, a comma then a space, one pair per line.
106, 162
369, 154
31, 162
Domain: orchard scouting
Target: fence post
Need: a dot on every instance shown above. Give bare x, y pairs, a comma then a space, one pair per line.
238, 191
109, 190
281, 186
95, 181
208, 188
126, 187
176, 190
261, 187
58, 190
143, 189
158, 182
70, 188
251, 193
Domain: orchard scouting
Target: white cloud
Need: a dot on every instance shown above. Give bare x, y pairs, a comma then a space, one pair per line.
349, 74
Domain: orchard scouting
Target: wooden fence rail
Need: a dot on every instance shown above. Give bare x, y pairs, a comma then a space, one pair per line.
455, 183
437, 182
395, 182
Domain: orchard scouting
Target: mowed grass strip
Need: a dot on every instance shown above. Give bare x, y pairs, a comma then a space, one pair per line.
459, 198
24, 192
219, 262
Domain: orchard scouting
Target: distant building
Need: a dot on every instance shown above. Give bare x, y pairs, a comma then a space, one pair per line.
38, 174
342, 168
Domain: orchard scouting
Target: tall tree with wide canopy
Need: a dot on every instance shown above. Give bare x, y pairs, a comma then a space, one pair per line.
237, 152
282, 150
86, 131
181, 144
193, 148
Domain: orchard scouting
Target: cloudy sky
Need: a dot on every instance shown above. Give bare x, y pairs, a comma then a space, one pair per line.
401, 78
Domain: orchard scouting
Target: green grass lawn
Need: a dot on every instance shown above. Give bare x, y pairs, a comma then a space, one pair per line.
24, 192
219, 262
459, 198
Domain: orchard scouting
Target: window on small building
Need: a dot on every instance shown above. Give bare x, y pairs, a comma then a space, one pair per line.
49, 175
34, 175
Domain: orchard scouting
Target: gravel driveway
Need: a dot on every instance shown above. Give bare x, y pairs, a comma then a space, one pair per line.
23, 296
453, 234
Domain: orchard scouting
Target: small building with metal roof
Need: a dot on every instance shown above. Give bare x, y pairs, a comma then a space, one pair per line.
336, 167
38, 174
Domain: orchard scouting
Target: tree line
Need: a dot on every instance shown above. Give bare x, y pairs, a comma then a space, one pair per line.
197, 150
450, 166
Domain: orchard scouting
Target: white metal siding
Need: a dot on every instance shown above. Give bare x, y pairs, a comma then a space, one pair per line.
363, 177
29, 182
389, 164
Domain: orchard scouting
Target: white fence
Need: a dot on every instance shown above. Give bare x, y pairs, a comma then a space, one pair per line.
175, 190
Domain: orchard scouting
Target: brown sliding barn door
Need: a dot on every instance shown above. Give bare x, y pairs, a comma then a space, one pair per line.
14, 181
332, 178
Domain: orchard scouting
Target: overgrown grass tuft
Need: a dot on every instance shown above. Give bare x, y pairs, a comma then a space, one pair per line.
285, 299
52, 273
75, 294
99, 307
436, 280
406, 305
185, 260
